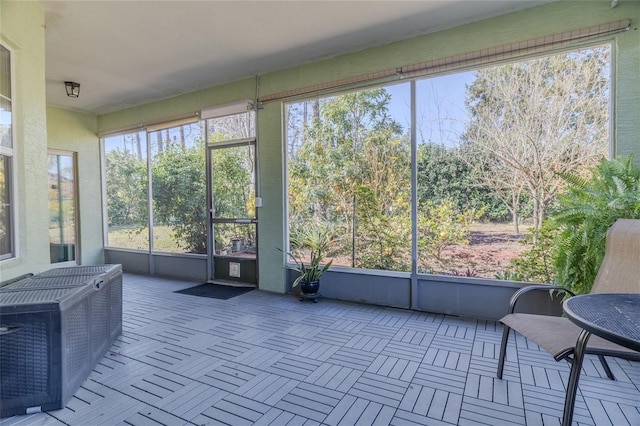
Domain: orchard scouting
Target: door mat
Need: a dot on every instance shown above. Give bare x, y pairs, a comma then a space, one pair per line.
215, 291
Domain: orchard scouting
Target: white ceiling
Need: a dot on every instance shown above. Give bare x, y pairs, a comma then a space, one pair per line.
127, 53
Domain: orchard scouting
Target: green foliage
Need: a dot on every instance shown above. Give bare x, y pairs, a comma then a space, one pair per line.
569, 248
382, 243
179, 191
351, 168
317, 240
535, 264
232, 183
443, 174
126, 177
585, 213
508, 275
441, 225
179, 194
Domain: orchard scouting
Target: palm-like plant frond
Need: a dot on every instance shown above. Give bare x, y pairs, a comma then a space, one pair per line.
585, 214
317, 239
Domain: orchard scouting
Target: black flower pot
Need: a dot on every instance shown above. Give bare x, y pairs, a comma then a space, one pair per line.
309, 290
310, 287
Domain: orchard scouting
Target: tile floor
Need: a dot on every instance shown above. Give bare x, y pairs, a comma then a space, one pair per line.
268, 359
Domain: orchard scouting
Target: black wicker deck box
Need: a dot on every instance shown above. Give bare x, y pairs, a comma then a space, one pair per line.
53, 330
109, 305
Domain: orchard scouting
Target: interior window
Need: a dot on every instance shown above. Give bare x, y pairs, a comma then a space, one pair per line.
63, 207
7, 201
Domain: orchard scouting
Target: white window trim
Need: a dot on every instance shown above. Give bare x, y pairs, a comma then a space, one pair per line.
12, 152
76, 198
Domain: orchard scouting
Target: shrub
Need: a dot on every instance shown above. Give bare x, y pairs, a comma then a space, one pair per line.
535, 264
569, 248
586, 212
442, 225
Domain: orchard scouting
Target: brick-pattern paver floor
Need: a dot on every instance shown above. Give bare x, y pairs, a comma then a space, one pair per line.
268, 359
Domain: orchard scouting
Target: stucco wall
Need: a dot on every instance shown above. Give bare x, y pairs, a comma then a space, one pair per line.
627, 85
271, 231
21, 30
75, 132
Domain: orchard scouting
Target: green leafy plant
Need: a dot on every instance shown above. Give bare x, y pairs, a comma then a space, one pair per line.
466, 273
508, 275
179, 193
126, 175
441, 225
535, 264
316, 239
585, 213
383, 241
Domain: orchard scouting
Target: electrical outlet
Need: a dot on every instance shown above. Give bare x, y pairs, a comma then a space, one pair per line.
234, 269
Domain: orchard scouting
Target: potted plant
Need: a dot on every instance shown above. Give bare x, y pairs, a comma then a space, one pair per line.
317, 241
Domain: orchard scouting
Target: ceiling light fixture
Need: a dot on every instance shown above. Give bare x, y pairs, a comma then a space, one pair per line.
73, 89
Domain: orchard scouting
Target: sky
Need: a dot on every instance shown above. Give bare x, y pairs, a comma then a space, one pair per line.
441, 112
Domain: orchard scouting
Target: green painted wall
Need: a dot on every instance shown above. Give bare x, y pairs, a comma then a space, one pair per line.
21, 30
75, 132
38, 128
627, 85
271, 220
187, 104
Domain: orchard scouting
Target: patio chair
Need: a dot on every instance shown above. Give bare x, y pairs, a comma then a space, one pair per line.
619, 273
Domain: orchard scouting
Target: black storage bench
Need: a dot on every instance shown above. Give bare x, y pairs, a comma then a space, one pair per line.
54, 328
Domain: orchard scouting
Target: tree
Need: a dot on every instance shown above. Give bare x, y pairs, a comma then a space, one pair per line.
379, 244
444, 175
351, 168
233, 191
126, 175
179, 193
532, 120
231, 127
179, 183
441, 225
500, 180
